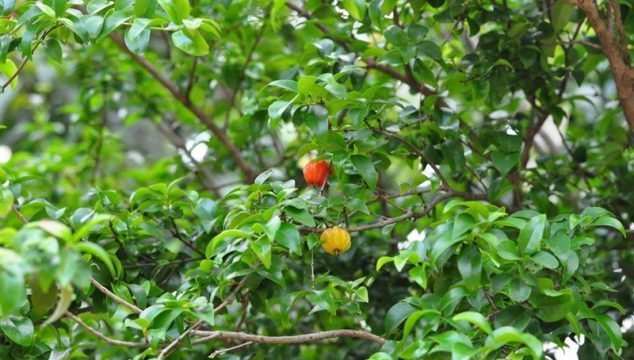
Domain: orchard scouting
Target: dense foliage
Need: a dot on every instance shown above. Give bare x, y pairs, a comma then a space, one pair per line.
153, 201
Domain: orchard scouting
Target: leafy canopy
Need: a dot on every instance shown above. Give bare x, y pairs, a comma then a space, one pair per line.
152, 203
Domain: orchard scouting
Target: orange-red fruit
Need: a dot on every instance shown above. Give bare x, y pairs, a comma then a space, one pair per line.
316, 173
335, 240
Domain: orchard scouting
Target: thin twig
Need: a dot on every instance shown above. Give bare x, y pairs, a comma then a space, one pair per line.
192, 77
166, 350
293, 339
198, 112
180, 238
232, 295
222, 351
199, 323
25, 60
103, 337
114, 297
19, 215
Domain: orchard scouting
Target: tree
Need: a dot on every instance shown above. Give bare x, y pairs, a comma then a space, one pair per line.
153, 203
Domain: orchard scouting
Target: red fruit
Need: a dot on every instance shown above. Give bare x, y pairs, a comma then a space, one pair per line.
316, 173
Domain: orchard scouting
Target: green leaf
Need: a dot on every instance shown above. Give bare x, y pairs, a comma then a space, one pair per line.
54, 50
300, 215
65, 299
380, 356
609, 221
112, 22
85, 229
545, 259
356, 8
277, 108
561, 14
6, 202
470, 266
18, 329
396, 315
177, 10
476, 319
382, 261
262, 249
217, 240
362, 294
9, 70
559, 244
288, 236
290, 85
144, 8
462, 223
613, 330
101, 254
138, 36
396, 36
12, 290
205, 209
430, 49
93, 25
531, 235
54, 228
413, 319
505, 335
42, 299
193, 43
551, 309
504, 162
365, 167
507, 250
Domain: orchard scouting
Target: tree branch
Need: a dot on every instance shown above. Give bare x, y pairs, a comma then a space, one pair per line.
199, 323
180, 97
293, 339
414, 149
621, 69
114, 297
25, 60
103, 337
19, 215
237, 347
232, 295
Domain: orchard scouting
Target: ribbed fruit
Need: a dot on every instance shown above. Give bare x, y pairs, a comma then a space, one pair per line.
335, 240
316, 173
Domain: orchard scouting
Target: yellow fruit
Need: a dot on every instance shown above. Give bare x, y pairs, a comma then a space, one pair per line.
335, 240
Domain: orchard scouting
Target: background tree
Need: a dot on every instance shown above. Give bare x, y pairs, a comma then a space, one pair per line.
153, 203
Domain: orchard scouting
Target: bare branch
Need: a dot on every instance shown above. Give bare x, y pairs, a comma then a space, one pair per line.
408, 215
233, 294
114, 297
180, 97
103, 337
620, 68
25, 60
192, 78
176, 341
199, 323
222, 351
19, 215
293, 339
414, 149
